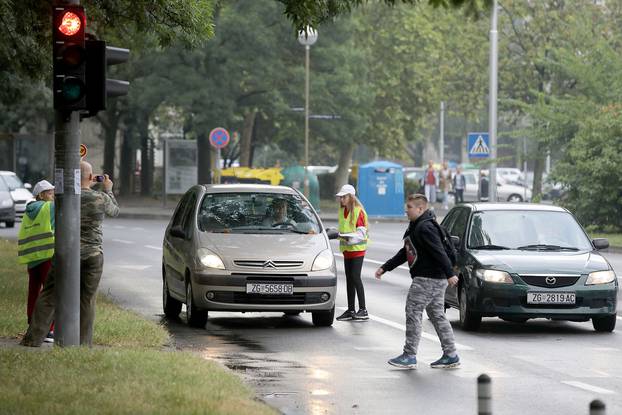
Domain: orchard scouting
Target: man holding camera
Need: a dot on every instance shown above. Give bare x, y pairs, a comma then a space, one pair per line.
94, 205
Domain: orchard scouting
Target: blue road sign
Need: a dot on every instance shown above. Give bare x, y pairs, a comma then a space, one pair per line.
219, 137
478, 145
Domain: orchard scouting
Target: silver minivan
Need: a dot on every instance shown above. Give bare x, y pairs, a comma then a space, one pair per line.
247, 247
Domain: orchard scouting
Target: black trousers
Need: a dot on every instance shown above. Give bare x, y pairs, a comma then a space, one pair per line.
354, 284
459, 195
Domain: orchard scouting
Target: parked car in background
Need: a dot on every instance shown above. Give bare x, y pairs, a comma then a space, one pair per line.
511, 174
524, 261
416, 175
19, 191
506, 192
247, 247
7, 207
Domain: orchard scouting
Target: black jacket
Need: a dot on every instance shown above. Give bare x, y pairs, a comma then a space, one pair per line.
423, 249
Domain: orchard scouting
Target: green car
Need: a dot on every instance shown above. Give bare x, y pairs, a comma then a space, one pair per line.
523, 261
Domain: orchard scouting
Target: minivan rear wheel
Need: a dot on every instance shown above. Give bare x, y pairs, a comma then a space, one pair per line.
196, 317
607, 323
10, 223
171, 306
323, 318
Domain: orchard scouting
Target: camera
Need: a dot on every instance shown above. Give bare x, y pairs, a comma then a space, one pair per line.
99, 178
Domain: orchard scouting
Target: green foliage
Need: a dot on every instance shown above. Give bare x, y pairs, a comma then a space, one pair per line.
590, 170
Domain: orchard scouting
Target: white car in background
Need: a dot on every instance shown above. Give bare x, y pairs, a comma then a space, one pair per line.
19, 191
506, 192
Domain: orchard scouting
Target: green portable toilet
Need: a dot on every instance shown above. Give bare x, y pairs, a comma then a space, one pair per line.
294, 177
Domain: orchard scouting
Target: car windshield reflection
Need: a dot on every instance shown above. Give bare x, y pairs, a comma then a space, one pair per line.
256, 213
527, 230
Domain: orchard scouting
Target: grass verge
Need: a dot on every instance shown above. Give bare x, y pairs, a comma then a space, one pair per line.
128, 372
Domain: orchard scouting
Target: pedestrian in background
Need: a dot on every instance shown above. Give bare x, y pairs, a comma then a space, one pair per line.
483, 186
430, 181
431, 271
353, 229
459, 183
445, 184
94, 205
36, 244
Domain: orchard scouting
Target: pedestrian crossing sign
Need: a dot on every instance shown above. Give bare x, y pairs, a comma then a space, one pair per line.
478, 145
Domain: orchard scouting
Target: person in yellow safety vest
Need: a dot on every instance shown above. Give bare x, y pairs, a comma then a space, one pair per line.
352, 243
36, 244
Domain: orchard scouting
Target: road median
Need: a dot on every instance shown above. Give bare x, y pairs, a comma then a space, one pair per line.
132, 368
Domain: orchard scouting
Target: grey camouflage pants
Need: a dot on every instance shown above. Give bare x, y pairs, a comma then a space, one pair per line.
428, 294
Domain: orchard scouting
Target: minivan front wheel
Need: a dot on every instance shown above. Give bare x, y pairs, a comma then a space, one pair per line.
469, 320
323, 318
172, 306
607, 323
515, 198
195, 316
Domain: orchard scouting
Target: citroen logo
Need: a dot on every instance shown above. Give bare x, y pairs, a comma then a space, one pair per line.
268, 264
550, 280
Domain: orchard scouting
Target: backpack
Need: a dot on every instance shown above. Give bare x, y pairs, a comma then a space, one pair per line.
448, 245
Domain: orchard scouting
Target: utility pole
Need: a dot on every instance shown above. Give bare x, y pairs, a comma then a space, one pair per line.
492, 105
442, 133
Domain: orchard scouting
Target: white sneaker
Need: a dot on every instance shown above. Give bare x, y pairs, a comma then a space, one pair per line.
49, 338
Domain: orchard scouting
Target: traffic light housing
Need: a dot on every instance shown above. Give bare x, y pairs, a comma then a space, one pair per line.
99, 87
69, 58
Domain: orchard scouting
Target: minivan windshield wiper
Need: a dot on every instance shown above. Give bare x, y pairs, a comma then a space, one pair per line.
547, 247
490, 246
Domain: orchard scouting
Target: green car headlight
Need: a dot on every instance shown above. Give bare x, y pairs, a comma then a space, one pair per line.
493, 275
600, 277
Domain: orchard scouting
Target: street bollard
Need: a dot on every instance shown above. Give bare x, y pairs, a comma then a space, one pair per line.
484, 395
597, 407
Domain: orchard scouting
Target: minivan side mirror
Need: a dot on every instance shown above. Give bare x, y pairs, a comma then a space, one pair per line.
178, 232
600, 243
456, 241
332, 233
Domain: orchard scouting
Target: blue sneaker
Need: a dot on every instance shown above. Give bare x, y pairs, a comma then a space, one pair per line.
404, 361
446, 362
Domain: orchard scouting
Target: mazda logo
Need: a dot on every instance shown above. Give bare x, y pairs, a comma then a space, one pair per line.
550, 280
268, 264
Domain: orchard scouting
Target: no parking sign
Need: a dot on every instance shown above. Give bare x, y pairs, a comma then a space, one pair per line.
219, 137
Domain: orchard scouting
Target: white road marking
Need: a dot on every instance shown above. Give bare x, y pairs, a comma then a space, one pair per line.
134, 267
157, 248
619, 318
402, 327
588, 387
123, 241
118, 227
373, 261
138, 229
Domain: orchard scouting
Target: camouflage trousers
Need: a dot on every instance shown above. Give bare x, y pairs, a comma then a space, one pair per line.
90, 273
427, 294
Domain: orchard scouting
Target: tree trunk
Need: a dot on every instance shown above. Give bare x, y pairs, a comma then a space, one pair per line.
126, 171
146, 181
204, 160
538, 169
345, 161
246, 139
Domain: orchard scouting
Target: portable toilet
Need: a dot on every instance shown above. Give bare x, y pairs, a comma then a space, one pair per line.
381, 188
294, 176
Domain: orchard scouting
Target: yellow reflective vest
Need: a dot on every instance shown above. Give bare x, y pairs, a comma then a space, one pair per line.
346, 226
36, 237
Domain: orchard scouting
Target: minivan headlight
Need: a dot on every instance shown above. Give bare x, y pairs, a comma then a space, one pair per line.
493, 275
6, 203
210, 259
600, 277
323, 261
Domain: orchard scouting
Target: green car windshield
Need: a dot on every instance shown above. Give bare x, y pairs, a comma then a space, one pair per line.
527, 230
249, 212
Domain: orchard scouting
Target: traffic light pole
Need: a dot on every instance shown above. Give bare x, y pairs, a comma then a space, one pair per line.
67, 224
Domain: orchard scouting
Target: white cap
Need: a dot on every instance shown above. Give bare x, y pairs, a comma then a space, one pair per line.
346, 189
42, 186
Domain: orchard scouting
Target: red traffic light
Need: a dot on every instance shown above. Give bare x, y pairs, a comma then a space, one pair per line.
70, 24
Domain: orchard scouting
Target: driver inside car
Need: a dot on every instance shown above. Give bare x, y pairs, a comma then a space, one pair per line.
277, 214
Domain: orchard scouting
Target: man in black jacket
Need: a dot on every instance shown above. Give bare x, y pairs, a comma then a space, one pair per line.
431, 272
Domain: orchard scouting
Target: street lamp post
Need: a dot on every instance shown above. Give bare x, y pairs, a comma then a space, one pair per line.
492, 105
307, 38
